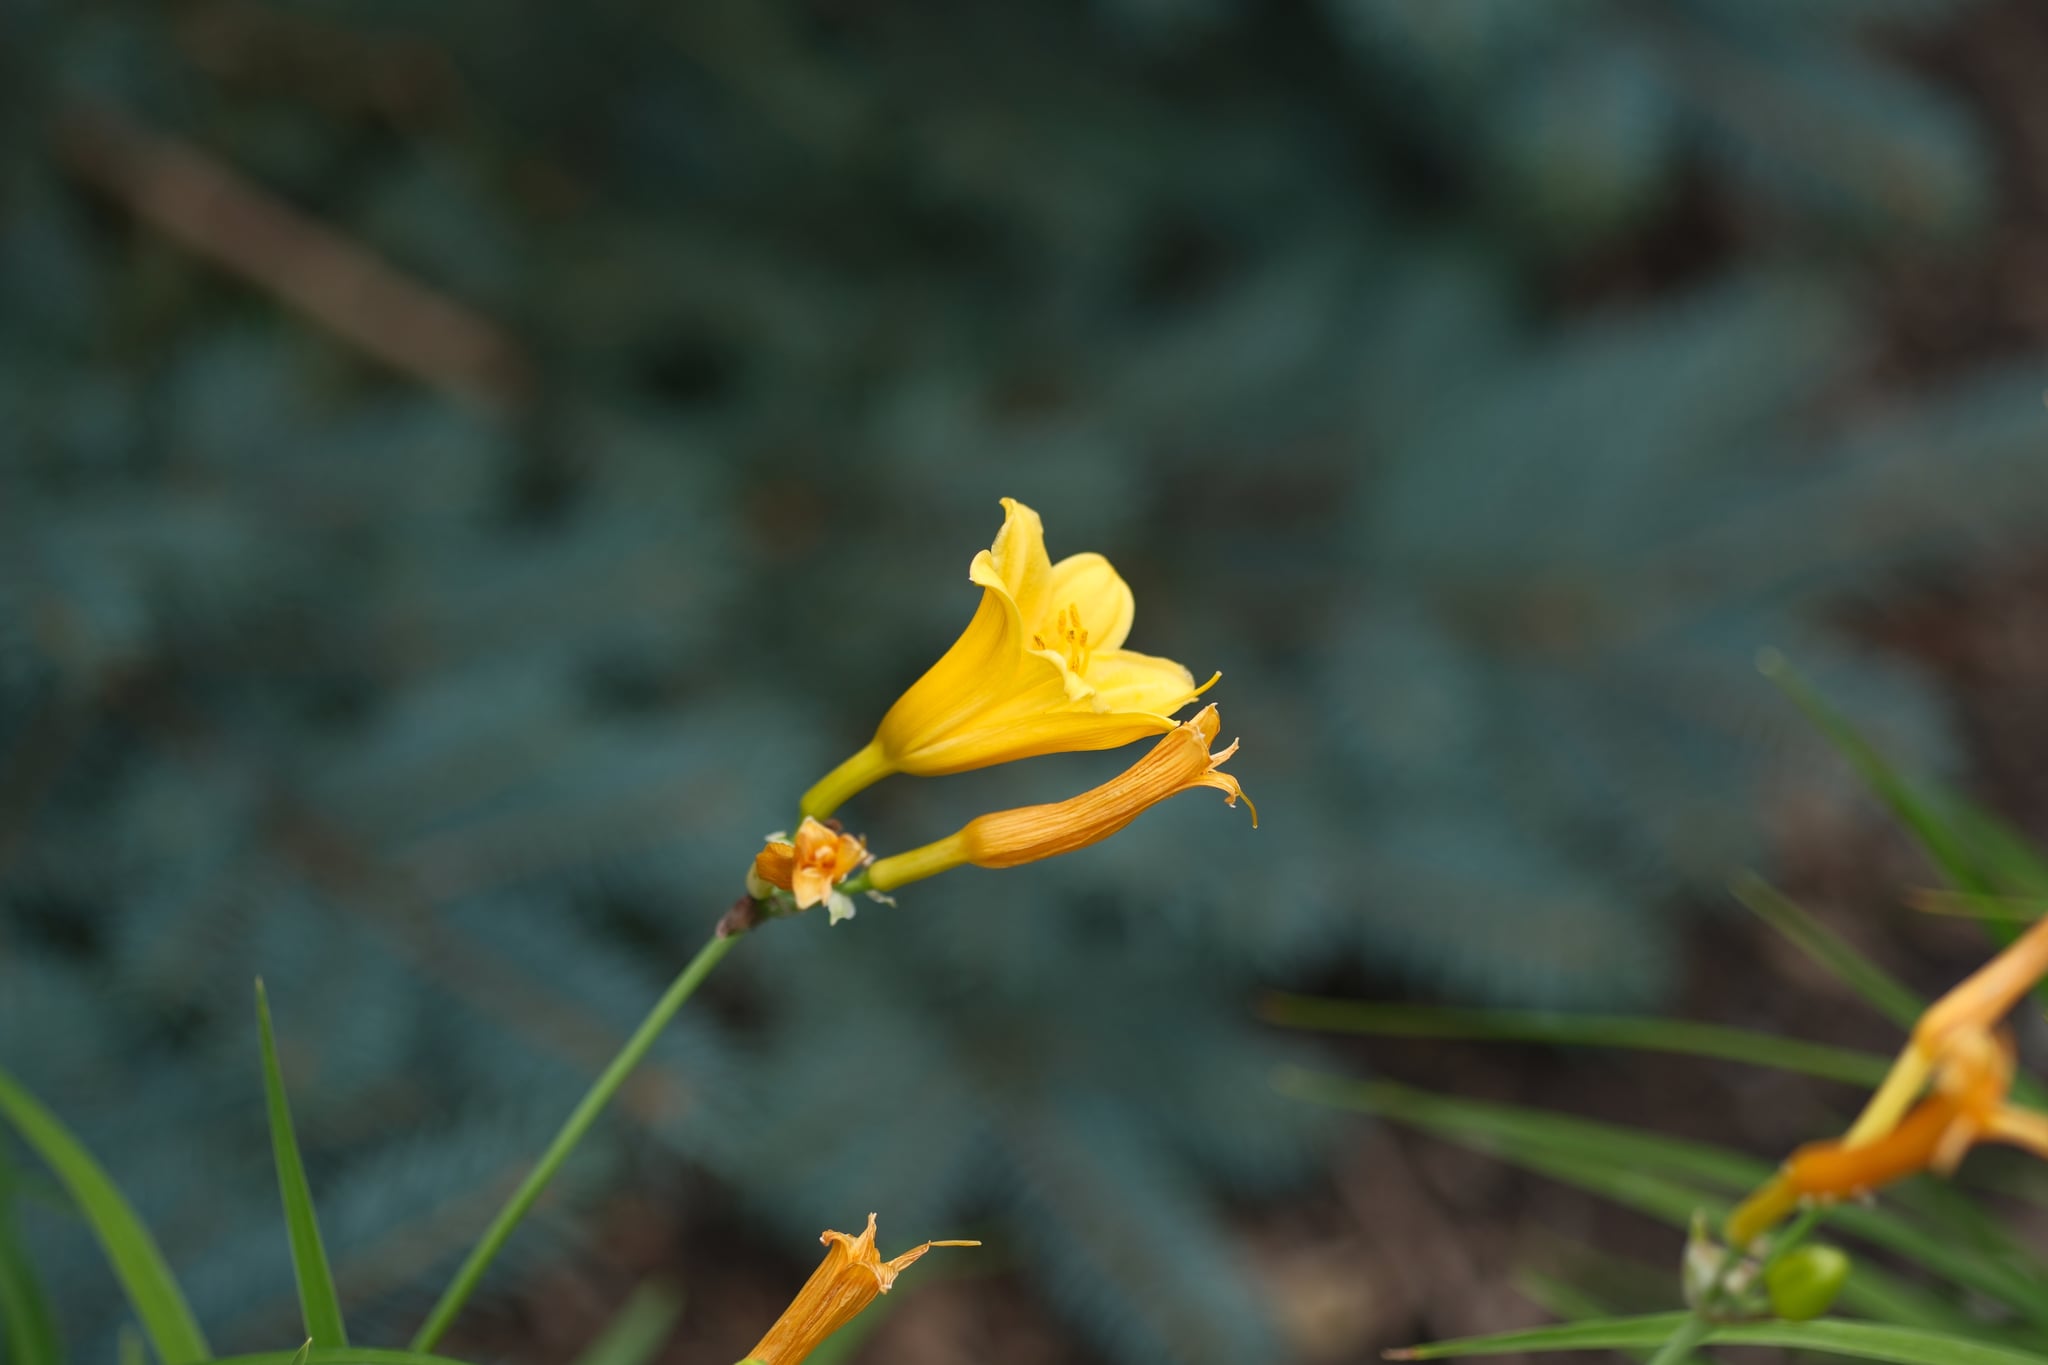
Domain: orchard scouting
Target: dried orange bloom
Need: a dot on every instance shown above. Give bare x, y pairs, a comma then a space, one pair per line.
1966, 1106
1181, 761
848, 1280
1983, 998
1899, 1133
810, 868
1040, 669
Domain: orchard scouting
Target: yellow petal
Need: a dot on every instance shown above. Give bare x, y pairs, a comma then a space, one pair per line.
1018, 559
2021, 1128
1039, 670
1127, 681
1989, 993
1029, 736
1098, 597
980, 670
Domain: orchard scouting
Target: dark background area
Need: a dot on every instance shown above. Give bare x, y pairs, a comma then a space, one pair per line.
466, 470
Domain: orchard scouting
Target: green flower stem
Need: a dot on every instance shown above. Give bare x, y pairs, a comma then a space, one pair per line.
586, 1113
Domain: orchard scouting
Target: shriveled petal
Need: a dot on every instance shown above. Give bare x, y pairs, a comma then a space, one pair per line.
1181, 760
847, 1281
2021, 1128
775, 863
1086, 585
1836, 1171
1988, 994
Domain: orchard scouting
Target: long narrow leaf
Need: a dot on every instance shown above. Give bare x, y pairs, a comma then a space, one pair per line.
1668, 1178
136, 1260
1870, 1292
1494, 1126
634, 1336
1918, 814
1593, 1030
1828, 949
26, 1322
319, 1305
1976, 852
1829, 1336
344, 1355
1562, 1299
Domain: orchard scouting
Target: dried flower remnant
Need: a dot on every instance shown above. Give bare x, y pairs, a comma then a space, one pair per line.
1180, 761
1965, 1069
810, 867
1040, 669
848, 1280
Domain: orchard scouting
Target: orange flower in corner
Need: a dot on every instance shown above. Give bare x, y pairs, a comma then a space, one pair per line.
1967, 1105
1041, 669
1181, 761
810, 867
1899, 1133
848, 1280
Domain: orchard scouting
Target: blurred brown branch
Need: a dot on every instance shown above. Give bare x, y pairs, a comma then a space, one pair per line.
211, 209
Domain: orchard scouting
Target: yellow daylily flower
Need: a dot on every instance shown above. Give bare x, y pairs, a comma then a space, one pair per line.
1041, 669
848, 1280
1180, 761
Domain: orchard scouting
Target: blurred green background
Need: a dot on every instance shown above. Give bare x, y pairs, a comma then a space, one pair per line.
468, 467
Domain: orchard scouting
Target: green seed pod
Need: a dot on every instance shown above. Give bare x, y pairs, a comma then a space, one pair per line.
1804, 1282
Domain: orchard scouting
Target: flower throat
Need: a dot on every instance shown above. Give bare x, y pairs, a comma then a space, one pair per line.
1069, 637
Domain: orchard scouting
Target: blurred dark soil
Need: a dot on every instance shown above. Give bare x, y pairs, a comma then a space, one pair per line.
1407, 1238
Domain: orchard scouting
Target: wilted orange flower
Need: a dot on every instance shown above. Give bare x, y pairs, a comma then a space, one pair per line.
1954, 1047
1180, 762
1984, 997
848, 1280
1040, 669
1966, 1106
811, 867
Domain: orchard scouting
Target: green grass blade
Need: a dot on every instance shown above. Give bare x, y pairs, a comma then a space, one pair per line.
1592, 1030
319, 1305
1870, 1292
340, 1355
2007, 859
1949, 851
1975, 851
1827, 1336
471, 1272
1827, 948
636, 1334
1497, 1127
26, 1322
133, 1253
1667, 1178
128, 1347
1562, 1299
1971, 905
